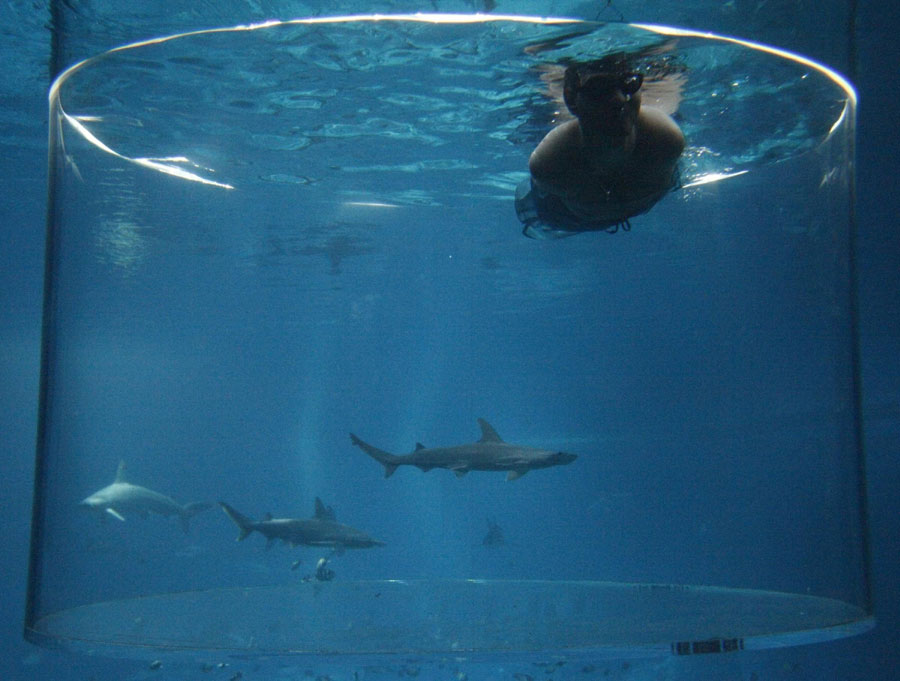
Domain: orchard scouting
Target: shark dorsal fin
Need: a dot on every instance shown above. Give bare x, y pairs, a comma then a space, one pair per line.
419, 446
488, 434
268, 516
323, 512
120, 472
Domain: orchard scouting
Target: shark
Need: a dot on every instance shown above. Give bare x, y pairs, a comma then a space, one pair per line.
320, 530
490, 453
494, 536
123, 497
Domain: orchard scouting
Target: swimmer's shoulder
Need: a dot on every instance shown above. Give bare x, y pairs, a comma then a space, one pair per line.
557, 152
659, 134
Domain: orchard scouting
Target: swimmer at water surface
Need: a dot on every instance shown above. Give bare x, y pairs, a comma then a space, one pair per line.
613, 161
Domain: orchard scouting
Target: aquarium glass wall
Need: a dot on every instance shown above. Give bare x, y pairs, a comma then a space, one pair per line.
290, 300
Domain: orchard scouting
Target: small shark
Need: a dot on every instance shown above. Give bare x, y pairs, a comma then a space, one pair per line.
494, 536
490, 453
123, 497
320, 530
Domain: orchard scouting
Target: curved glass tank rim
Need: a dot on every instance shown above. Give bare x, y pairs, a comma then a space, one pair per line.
186, 169
52, 627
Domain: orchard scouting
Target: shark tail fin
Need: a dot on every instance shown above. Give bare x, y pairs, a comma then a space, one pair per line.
190, 511
245, 524
386, 459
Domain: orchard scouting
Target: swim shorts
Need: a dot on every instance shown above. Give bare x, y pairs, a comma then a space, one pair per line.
546, 216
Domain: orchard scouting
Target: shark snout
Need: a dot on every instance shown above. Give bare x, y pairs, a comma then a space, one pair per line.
89, 503
563, 458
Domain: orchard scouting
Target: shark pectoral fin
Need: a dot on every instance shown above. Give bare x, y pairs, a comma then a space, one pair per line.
460, 468
515, 475
115, 514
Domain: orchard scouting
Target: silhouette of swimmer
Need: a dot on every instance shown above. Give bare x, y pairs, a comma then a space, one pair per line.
614, 160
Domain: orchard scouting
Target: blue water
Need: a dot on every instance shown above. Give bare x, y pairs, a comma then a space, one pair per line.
228, 344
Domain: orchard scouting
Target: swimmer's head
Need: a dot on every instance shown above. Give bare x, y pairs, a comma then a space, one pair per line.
604, 93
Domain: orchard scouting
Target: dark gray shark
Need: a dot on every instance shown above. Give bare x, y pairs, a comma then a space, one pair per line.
490, 453
320, 530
